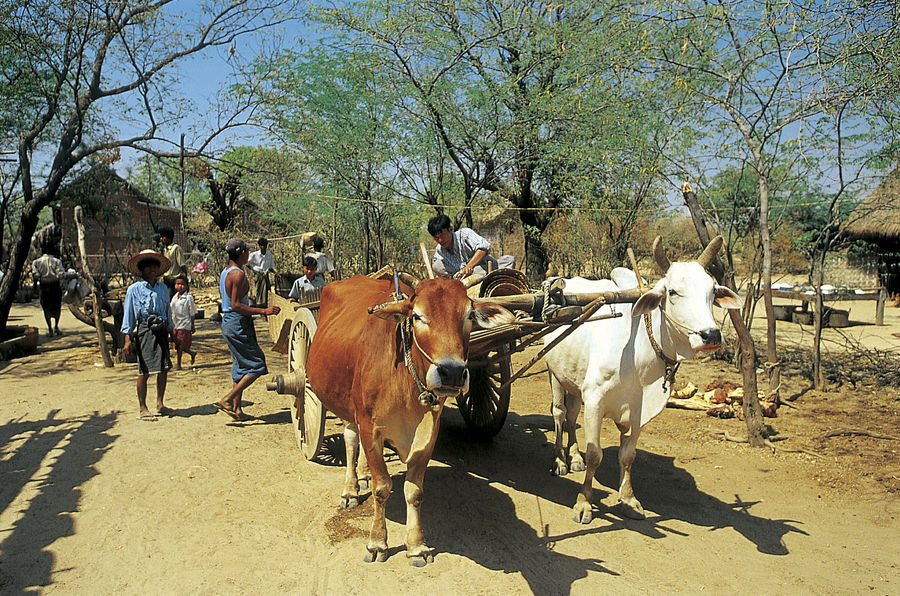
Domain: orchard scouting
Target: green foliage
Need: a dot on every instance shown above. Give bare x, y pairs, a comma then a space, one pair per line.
75, 74
159, 179
441, 104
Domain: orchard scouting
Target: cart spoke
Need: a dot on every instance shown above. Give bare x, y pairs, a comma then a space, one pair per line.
307, 413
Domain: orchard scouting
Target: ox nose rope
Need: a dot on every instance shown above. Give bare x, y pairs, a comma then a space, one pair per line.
426, 398
671, 364
679, 324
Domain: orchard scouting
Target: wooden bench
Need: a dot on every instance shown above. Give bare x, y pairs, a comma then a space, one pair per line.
879, 295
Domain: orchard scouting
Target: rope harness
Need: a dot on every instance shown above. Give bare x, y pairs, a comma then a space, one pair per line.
671, 363
426, 398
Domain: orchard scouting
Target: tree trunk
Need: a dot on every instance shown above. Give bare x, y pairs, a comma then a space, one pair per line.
367, 240
753, 416
18, 255
114, 332
818, 315
536, 262
334, 210
95, 292
765, 236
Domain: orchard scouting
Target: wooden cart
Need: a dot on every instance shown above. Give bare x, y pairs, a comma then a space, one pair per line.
485, 406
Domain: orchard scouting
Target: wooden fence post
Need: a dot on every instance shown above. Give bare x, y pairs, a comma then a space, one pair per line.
95, 292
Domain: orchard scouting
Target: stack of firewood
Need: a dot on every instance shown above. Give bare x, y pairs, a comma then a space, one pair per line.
722, 399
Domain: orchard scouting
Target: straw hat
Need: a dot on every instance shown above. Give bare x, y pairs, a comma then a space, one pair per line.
145, 255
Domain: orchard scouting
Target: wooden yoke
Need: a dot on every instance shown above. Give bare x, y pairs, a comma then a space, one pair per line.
530, 302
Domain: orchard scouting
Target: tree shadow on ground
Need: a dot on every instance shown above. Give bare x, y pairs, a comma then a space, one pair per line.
47, 500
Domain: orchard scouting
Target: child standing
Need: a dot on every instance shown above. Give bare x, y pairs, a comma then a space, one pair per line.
183, 311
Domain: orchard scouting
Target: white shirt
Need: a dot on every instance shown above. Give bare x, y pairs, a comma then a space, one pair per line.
47, 268
466, 242
303, 284
183, 310
324, 262
261, 263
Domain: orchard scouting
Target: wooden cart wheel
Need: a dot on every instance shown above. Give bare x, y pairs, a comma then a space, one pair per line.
307, 412
484, 408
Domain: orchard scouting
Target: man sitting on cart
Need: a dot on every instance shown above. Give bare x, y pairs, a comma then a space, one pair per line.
307, 282
462, 252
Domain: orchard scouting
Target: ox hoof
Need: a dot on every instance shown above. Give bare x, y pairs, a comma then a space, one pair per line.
583, 515
632, 510
421, 560
559, 469
420, 556
377, 555
365, 484
349, 502
577, 465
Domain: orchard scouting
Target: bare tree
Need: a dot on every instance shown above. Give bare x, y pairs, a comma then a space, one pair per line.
95, 63
770, 72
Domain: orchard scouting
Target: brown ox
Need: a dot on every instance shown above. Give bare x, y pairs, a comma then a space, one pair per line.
356, 366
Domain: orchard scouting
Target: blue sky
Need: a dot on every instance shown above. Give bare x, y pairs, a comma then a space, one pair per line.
201, 77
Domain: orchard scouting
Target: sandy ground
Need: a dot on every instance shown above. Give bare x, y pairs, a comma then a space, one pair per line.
94, 500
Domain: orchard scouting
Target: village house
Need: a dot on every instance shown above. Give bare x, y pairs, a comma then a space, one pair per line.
119, 220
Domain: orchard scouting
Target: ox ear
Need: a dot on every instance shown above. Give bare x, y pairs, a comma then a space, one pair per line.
725, 298
395, 311
490, 314
651, 300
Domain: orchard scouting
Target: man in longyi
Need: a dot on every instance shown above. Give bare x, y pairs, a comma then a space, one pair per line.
248, 360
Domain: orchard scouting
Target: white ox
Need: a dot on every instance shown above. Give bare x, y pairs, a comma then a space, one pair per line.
613, 367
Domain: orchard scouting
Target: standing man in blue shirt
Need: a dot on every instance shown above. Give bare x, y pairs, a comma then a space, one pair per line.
147, 326
459, 253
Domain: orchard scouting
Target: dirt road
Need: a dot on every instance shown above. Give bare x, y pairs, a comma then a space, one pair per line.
94, 500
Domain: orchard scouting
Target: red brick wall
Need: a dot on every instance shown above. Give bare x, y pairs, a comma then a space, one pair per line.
128, 227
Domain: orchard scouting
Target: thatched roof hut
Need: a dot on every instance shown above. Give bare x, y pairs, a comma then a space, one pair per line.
877, 220
877, 217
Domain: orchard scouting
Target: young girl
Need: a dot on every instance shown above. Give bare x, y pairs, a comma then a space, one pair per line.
183, 311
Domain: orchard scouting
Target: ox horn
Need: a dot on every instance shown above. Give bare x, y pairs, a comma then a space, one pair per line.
659, 253
408, 279
710, 252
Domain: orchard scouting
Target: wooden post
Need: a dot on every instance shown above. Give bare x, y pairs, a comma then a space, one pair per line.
181, 167
752, 411
95, 292
879, 306
634, 268
427, 260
